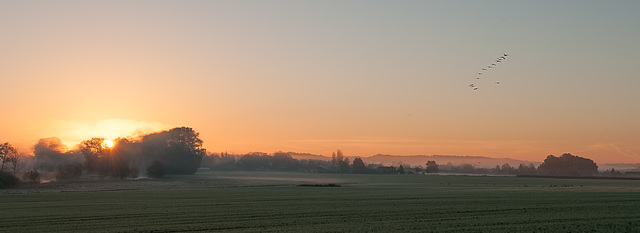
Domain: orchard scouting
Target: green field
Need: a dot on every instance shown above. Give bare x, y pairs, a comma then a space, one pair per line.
273, 202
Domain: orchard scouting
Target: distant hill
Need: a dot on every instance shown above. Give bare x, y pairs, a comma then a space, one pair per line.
414, 160
301, 156
476, 161
619, 166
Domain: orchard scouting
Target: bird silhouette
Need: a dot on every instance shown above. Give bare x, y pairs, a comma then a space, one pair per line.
486, 69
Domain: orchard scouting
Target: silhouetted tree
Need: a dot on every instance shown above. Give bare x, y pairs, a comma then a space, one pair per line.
112, 160
254, 161
223, 161
401, 170
15, 160
92, 150
358, 166
507, 169
343, 166
467, 168
180, 149
612, 172
337, 157
282, 161
432, 167
526, 169
7, 152
333, 158
568, 164
120, 157
342, 163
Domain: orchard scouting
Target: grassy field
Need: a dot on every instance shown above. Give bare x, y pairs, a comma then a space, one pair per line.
273, 202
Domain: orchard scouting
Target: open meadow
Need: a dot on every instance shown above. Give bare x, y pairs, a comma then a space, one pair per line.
291, 202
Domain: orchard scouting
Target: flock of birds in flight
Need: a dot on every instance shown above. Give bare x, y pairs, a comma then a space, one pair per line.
487, 68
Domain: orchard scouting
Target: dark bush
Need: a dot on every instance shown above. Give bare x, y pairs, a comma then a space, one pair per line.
156, 170
69, 171
8, 180
31, 177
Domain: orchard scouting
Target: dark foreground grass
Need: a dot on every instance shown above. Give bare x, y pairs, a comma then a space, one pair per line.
363, 203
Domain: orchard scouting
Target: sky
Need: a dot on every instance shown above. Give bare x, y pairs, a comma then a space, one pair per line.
366, 77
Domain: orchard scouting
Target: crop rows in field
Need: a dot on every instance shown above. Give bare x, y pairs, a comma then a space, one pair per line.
362, 203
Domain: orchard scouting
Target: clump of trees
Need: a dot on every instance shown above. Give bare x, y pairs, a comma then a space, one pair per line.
10, 159
10, 163
51, 156
179, 150
568, 165
284, 161
175, 151
359, 167
565, 165
31, 177
432, 167
338, 159
611, 172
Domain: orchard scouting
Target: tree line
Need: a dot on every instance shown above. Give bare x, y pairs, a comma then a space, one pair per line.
284, 161
175, 151
179, 151
565, 165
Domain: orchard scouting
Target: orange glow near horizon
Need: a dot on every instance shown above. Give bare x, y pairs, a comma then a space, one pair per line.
239, 141
288, 78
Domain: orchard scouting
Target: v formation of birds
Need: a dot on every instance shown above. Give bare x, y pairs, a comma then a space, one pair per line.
486, 69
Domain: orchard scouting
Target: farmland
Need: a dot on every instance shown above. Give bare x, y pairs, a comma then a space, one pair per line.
276, 202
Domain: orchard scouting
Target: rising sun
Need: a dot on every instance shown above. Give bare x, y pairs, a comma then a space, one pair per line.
107, 144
